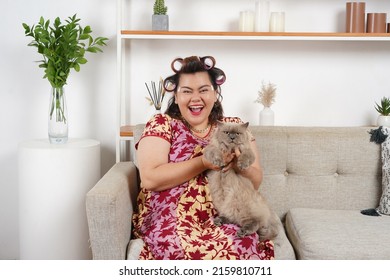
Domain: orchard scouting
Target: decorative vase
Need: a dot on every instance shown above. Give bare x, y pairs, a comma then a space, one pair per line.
266, 117
355, 17
58, 117
383, 121
376, 23
160, 22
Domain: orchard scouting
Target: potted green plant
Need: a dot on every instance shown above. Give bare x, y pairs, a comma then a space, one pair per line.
384, 112
63, 47
160, 19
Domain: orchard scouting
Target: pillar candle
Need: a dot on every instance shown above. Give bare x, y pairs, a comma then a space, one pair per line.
247, 19
262, 16
276, 22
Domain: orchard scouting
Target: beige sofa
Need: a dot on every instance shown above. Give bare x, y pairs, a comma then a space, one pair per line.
317, 179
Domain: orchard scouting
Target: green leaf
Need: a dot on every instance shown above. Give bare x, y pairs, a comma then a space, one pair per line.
92, 49
84, 37
81, 60
62, 45
87, 30
76, 67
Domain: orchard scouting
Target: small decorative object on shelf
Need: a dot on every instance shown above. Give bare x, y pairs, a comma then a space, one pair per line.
160, 19
276, 22
247, 21
376, 22
262, 16
63, 47
384, 112
156, 95
355, 17
266, 96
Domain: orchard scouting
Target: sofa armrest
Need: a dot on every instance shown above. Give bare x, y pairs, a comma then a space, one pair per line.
110, 205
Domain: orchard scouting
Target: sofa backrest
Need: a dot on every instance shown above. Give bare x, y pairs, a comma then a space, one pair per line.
319, 167
316, 167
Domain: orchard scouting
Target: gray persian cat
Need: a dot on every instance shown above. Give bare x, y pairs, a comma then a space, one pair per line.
233, 195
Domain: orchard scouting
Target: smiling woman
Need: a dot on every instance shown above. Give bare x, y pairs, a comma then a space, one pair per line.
175, 218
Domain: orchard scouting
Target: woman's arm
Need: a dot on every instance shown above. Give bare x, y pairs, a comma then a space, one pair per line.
157, 173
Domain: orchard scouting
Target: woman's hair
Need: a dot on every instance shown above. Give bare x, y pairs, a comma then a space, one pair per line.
191, 65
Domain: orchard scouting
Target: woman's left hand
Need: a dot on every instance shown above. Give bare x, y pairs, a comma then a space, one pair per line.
232, 161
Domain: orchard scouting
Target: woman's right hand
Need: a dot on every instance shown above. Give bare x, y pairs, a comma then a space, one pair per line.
228, 160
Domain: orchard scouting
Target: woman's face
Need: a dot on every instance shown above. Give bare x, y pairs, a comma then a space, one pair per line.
195, 97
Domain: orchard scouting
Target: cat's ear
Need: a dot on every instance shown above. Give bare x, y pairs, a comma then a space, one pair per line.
245, 124
219, 123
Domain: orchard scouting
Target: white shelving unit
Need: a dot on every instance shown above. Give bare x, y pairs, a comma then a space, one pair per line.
124, 131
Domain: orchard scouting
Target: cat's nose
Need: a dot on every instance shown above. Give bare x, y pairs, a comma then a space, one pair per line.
232, 136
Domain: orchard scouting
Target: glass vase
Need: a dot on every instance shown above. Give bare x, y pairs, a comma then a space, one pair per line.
58, 117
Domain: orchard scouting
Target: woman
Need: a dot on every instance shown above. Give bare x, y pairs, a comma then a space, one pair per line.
175, 217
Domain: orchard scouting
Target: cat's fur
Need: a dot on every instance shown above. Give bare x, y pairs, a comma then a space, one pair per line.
233, 195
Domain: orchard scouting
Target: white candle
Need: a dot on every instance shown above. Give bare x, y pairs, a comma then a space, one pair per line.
247, 19
262, 16
276, 22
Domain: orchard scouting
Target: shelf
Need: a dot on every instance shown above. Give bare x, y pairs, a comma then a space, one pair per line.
275, 36
127, 131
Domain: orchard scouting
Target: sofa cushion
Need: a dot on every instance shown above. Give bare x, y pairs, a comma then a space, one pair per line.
134, 248
337, 234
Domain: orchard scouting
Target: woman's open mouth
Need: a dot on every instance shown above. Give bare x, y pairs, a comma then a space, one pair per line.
196, 110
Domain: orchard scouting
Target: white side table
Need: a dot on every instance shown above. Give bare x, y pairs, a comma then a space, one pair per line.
53, 182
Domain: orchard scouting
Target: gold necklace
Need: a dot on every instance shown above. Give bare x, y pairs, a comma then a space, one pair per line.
200, 130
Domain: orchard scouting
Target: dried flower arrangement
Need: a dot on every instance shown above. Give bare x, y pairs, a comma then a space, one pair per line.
156, 96
266, 94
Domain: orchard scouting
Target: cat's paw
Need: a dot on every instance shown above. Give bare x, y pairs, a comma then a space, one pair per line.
218, 162
245, 160
220, 220
247, 229
242, 233
264, 233
242, 165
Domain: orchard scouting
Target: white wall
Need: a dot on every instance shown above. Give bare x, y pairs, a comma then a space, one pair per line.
319, 83
25, 95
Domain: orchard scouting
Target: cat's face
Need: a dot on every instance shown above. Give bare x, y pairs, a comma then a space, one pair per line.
232, 134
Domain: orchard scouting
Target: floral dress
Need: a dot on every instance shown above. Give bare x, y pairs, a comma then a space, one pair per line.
178, 223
